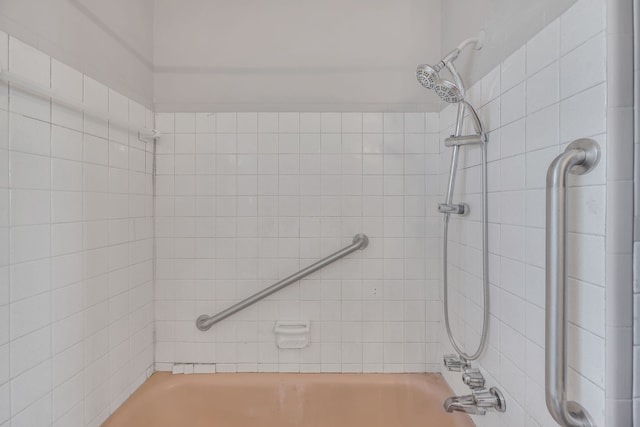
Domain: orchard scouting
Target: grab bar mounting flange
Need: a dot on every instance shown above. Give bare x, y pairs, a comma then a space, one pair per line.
592, 155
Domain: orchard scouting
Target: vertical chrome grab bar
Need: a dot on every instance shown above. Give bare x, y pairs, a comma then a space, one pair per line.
580, 157
204, 322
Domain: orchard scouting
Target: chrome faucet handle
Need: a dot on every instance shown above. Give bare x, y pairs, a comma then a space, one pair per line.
455, 363
473, 378
490, 399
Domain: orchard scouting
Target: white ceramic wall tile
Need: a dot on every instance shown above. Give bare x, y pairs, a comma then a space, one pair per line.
543, 88
275, 193
583, 114
543, 48
63, 262
513, 69
67, 81
512, 104
583, 67
29, 62
578, 24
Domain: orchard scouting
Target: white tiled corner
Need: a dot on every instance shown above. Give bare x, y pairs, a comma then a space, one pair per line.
68, 177
552, 92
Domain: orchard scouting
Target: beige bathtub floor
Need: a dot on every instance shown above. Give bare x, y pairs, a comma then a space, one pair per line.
289, 400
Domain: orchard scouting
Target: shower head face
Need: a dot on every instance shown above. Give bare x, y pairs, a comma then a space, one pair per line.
448, 91
427, 76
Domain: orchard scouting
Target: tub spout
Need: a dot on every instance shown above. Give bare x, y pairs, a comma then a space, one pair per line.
477, 403
464, 404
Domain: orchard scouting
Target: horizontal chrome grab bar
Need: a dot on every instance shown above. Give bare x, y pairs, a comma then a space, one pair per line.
204, 322
580, 157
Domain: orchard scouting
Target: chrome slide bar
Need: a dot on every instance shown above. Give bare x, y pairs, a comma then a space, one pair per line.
580, 157
204, 322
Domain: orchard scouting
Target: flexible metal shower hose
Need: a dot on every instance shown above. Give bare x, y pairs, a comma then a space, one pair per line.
485, 266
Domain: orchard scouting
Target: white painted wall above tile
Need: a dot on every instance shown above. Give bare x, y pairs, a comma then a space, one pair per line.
220, 55
357, 55
245, 199
109, 41
508, 26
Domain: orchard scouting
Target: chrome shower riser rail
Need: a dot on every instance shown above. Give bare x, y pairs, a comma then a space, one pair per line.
580, 157
448, 208
204, 322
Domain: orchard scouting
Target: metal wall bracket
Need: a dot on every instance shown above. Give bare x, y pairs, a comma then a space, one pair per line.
455, 363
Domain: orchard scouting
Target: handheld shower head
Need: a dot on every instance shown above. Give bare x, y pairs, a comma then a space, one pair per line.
448, 91
451, 93
427, 76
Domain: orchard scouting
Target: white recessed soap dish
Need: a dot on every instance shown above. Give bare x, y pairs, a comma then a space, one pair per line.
292, 333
